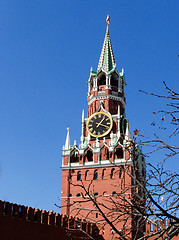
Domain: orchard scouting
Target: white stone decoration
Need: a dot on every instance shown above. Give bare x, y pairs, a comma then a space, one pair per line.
67, 143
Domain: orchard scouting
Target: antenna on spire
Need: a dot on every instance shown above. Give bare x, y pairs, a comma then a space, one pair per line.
107, 22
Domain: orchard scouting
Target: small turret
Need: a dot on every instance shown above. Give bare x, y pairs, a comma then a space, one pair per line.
67, 143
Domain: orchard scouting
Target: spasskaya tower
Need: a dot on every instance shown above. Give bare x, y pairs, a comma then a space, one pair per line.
98, 162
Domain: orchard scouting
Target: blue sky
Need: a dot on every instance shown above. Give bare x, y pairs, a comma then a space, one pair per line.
46, 51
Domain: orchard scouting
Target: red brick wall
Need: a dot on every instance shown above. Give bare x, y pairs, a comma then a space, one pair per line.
104, 186
26, 223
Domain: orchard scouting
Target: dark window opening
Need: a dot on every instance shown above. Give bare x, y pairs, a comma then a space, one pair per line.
103, 173
102, 80
70, 195
119, 153
114, 193
91, 82
86, 174
114, 81
120, 172
74, 157
96, 194
112, 173
79, 176
95, 175
107, 154
89, 156
78, 195
96, 215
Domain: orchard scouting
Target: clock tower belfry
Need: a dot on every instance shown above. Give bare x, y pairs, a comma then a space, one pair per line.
103, 151
107, 84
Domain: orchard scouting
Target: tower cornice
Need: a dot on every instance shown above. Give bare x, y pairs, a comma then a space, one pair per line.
106, 96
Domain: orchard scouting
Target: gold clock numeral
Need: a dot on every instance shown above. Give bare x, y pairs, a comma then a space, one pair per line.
94, 117
90, 125
108, 123
94, 132
99, 133
91, 129
104, 131
100, 115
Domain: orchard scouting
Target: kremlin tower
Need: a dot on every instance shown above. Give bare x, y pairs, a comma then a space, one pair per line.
97, 167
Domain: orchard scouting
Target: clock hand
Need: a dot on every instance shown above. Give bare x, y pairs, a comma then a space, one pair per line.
100, 122
102, 125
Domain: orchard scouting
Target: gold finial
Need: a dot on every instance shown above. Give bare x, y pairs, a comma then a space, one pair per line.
107, 22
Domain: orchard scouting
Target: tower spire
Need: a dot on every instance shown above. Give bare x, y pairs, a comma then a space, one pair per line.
107, 23
107, 61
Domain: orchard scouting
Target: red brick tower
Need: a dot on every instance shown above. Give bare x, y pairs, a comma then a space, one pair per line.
102, 154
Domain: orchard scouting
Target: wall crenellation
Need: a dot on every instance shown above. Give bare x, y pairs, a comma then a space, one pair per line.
29, 214
152, 228
24, 213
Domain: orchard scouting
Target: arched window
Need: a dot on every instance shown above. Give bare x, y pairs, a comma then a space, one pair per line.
96, 194
114, 193
102, 80
78, 195
112, 173
89, 156
120, 171
86, 174
114, 81
95, 175
118, 153
70, 195
105, 154
91, 82
74, 157
79, 176
103, 173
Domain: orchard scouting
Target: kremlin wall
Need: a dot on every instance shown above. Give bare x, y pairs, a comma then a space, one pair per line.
26, 223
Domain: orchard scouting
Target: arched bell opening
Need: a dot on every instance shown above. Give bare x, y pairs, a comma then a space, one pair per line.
102, 79
114, 81
91, 84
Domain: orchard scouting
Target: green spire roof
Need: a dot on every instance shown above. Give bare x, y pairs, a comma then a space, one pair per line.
106, 61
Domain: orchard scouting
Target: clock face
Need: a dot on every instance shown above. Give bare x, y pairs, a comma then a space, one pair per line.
99, 124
